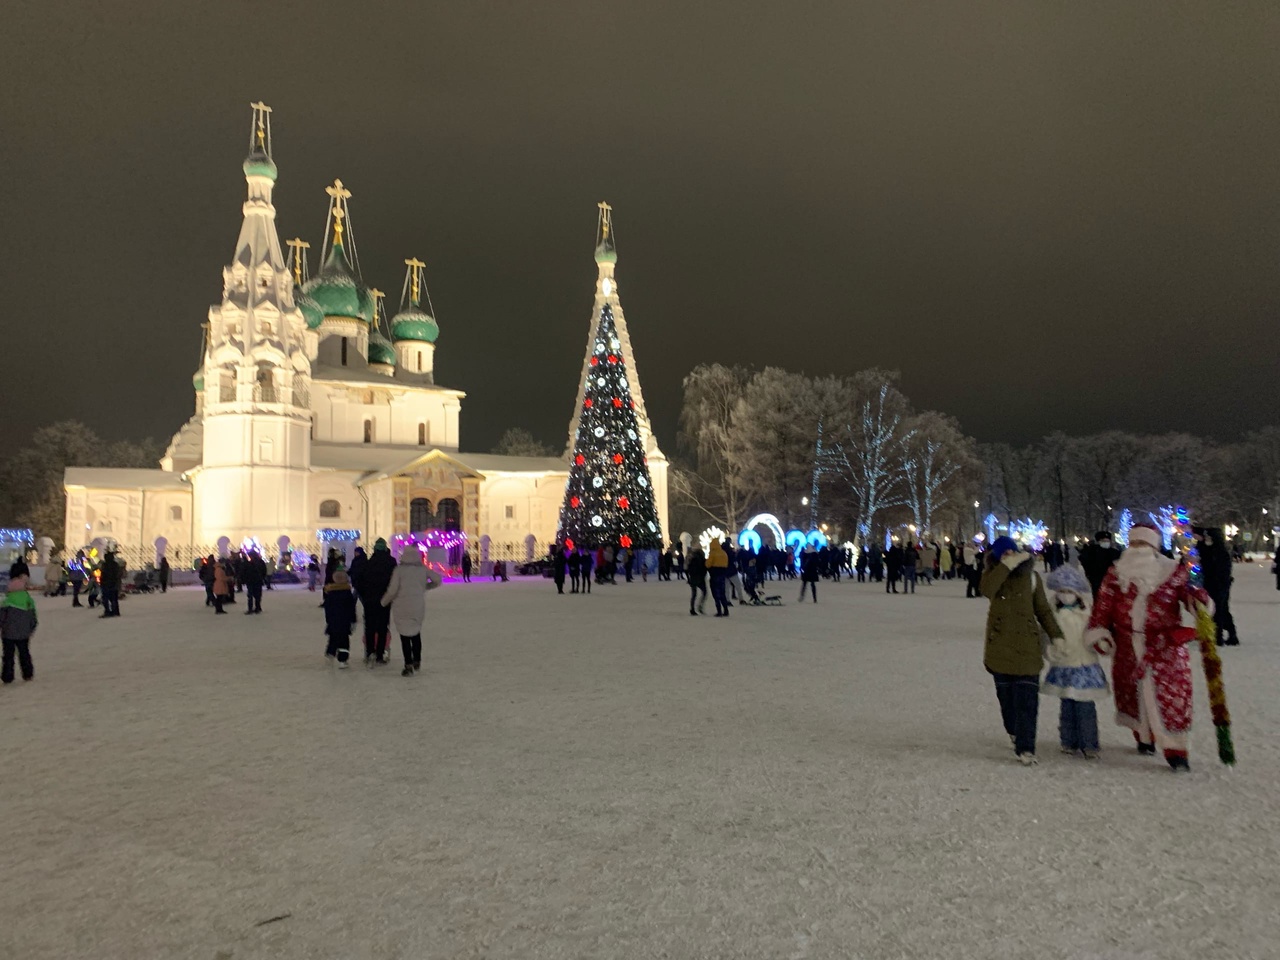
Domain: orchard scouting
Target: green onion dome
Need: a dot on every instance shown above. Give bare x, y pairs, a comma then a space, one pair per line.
260, 165
381, 350
414, 323
336, 291
197, 381
311, 311
605, 253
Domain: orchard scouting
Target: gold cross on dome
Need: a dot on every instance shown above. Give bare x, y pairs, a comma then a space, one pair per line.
415, 277
296, 246
605, 219
338, 191
337, 224
261, 106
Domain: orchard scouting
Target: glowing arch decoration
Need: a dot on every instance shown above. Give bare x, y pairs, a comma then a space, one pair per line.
770, 523
709, 534
252, 545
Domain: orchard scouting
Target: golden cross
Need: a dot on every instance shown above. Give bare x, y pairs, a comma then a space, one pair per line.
604, 219
261, 106
338, 191
297, 245
337, 224
415, 278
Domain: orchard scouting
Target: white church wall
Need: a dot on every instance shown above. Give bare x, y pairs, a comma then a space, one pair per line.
514, 505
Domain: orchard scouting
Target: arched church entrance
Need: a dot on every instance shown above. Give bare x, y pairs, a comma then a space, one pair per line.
420, 515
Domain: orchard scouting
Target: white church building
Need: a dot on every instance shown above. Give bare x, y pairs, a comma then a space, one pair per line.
318, 421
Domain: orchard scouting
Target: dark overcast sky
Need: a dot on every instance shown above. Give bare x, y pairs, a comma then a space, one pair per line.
1047, 215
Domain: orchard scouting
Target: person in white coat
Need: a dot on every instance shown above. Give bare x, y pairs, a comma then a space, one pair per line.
407, 597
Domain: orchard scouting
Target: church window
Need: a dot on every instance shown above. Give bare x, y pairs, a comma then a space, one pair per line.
330, 509
175, 513
344, 351
422, 434
266, 384
419, 514
511, 512
227, 385
419, 361
368, 431
449, 515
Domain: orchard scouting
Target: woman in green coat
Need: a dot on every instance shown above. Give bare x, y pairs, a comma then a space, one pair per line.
1013, 653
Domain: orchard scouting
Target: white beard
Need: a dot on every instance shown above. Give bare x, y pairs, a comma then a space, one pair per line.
1145, 568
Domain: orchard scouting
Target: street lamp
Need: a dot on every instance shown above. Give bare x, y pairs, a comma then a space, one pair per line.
804, 501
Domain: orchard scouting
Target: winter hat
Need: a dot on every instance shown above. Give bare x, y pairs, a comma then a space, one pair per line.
1102, 535
1002, 545
380, 544
340, 577
1068, 578
1145, 533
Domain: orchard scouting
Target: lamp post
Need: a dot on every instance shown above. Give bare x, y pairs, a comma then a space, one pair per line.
977, 520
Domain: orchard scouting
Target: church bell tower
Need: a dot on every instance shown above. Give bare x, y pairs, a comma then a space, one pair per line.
253, 480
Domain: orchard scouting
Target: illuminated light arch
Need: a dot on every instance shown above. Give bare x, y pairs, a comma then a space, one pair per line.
818, 539
770, 523
706, 537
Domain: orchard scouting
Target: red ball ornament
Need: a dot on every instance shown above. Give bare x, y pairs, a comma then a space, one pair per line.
588, 403
617, 458
623, 502
568, 543
575, 502
579, 459
613, 358
617, 403
624, 541
595, 361
633, 404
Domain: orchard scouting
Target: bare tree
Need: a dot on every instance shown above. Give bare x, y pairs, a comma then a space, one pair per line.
519, 442
712, 396
936, 453
867, 446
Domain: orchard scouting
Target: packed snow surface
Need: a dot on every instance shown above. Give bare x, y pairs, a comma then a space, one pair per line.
605, 776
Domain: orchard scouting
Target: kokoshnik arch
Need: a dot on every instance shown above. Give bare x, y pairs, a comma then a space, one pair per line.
314, 411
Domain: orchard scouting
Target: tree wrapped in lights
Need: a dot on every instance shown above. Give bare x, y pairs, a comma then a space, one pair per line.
609, 496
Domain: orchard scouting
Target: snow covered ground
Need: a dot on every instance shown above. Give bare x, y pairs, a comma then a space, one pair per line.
607, 777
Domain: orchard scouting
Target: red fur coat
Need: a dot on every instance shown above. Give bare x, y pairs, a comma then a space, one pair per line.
1141, 625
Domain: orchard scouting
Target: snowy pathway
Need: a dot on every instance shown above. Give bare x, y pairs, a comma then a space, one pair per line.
606, 777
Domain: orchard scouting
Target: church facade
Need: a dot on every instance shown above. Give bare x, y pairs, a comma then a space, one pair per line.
318, 421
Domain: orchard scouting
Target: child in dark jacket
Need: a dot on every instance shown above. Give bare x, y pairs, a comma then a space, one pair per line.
18, 623
339, 617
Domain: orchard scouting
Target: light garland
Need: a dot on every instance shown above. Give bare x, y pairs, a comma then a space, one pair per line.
17, 535
336, 535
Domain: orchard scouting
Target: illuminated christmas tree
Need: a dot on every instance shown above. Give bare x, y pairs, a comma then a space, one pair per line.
609, 499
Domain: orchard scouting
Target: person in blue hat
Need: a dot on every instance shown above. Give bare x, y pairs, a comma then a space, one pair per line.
1012, 653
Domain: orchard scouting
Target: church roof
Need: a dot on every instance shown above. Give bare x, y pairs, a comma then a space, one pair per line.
123, 478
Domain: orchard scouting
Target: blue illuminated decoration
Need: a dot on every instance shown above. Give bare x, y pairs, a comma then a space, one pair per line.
1126, 524
991, 524
818, 539
770, 523
749, 540
17, 535
1028, 532
333, 535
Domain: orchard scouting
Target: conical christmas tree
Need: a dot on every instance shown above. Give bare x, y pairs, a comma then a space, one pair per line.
609, 497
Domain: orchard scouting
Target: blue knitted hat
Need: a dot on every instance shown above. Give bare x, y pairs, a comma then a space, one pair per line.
1002, 545
1068, 578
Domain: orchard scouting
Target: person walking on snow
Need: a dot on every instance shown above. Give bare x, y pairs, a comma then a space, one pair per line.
809, 572
18, 623
407, 597
585, 562
1137, 617
371, 580
1216, 575
255, 575
1096, 559
718, 568
1074, 673
1012, 651
339, 617
697, 577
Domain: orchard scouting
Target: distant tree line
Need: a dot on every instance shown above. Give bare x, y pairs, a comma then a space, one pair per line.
854, 453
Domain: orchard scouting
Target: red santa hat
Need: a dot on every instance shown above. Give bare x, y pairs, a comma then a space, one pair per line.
1145, 533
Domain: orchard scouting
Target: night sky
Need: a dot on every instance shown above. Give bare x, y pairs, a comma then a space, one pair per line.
1048, 216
